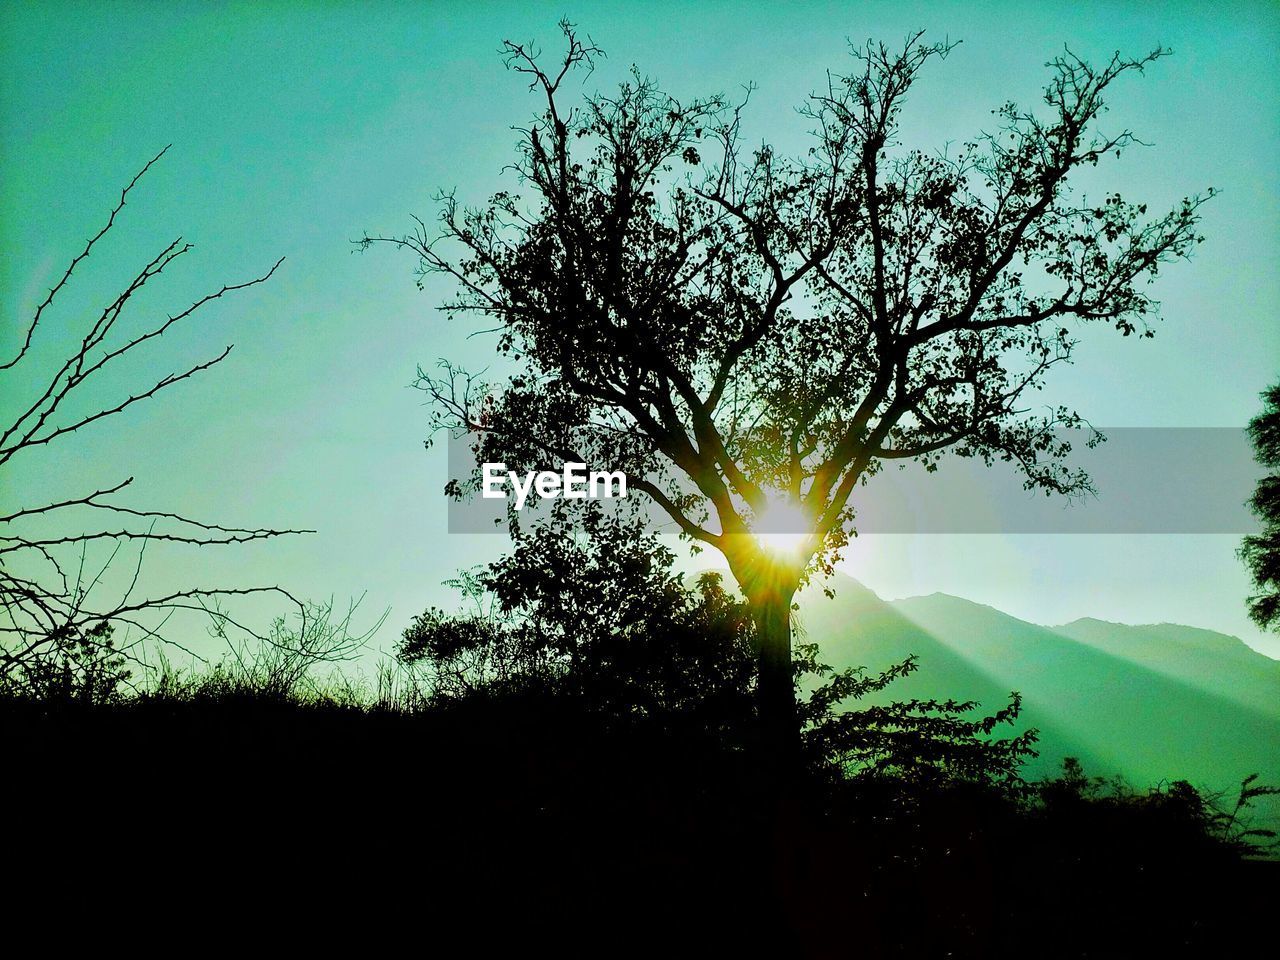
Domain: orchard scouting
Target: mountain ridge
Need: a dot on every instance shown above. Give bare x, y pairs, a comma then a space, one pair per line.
846, 579
1147, 702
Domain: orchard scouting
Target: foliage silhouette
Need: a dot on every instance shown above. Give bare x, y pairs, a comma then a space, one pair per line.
75, 665
602, 619
559, 811
1261, 552
737, 329
914, 833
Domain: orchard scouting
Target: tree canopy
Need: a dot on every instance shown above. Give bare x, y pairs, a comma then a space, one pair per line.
737, 328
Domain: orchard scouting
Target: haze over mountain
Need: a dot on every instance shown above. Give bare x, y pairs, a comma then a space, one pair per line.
1149, 703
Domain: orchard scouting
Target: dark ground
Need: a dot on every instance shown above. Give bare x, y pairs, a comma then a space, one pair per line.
529, 824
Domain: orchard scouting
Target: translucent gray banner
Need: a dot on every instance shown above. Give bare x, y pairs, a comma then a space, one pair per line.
1147, 480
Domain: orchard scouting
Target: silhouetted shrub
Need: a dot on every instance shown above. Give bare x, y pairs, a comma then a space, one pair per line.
70, 665
602, 620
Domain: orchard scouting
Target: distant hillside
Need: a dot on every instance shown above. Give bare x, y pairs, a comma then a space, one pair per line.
1212, 661
1147, 702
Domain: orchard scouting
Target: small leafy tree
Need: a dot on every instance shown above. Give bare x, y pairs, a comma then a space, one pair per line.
599, 616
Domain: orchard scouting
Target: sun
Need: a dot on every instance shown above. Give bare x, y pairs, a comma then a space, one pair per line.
783, 526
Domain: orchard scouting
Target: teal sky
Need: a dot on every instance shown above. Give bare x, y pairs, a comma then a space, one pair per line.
298, 126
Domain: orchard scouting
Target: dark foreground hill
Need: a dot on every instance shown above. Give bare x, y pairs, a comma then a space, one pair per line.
540, 817
523, 825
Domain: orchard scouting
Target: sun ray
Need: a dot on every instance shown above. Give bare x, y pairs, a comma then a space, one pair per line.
783, 527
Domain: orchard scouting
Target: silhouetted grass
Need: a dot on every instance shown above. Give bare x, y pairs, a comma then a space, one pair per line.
529, 814
558, 782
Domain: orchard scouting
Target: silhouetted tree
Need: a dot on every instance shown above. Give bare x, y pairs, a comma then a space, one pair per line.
1261, 552
594, 613
51, 618
744, 332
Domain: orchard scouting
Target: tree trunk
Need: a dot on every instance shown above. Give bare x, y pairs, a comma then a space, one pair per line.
779, 760
778, 726
769, 585
779, 729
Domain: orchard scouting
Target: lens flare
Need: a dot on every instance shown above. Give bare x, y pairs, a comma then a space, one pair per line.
782, 527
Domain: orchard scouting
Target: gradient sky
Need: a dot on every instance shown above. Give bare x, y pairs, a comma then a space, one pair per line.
298, 126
